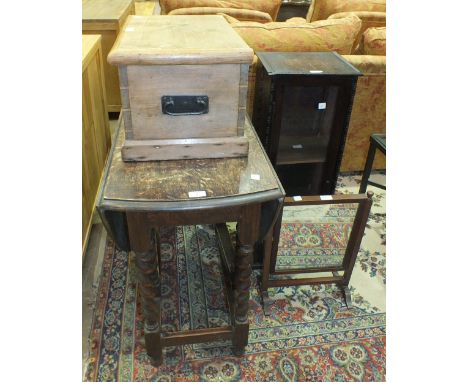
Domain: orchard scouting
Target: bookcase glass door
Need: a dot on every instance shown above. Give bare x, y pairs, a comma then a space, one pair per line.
306, 124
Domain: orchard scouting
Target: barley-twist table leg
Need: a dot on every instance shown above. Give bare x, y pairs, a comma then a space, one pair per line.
247, 235
146, 257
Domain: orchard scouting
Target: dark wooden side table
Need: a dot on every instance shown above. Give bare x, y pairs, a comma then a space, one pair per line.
138, 198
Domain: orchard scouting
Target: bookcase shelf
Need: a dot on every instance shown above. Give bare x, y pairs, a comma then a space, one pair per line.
301, 149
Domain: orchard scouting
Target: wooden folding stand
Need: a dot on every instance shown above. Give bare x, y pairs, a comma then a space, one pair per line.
346, 267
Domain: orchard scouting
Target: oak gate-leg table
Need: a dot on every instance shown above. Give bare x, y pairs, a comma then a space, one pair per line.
137, 198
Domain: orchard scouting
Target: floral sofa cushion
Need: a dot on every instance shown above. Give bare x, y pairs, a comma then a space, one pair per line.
374, 41
320, 36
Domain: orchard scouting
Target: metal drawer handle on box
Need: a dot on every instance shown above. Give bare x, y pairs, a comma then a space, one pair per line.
185, 105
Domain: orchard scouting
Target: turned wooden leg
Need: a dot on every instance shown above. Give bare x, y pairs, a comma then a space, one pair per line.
158, 250
269, 260
248, 230
146, 257
265, 277
275, 242
243, 270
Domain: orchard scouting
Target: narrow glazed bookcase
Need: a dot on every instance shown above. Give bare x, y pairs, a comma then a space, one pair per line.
95, 128
303, 102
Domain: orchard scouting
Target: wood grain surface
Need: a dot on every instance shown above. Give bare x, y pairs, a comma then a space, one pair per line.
207, 39
147, 84
106, 18
90, 44
170, 149
95, 128
306, 63
173, 180
105, 13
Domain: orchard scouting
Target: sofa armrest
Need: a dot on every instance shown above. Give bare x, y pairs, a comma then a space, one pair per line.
238, 14
322, 9
368, 65
368, 115
379, 18
369, 19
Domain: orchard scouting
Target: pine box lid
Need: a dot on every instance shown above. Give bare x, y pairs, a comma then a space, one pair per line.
163, 40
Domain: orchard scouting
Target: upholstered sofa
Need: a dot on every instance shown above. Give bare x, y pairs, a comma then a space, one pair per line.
262, 11
363, 47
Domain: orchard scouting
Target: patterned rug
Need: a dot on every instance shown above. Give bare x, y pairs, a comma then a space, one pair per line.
315, 236
310, 335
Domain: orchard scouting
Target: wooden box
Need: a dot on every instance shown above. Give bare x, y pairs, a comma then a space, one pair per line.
106, 18
95, 127
183, 82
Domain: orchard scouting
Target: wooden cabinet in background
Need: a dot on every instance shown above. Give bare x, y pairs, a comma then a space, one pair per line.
303, 102
95, 127
106, 18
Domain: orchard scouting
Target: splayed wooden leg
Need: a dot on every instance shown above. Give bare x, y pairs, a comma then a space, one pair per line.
347, 296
